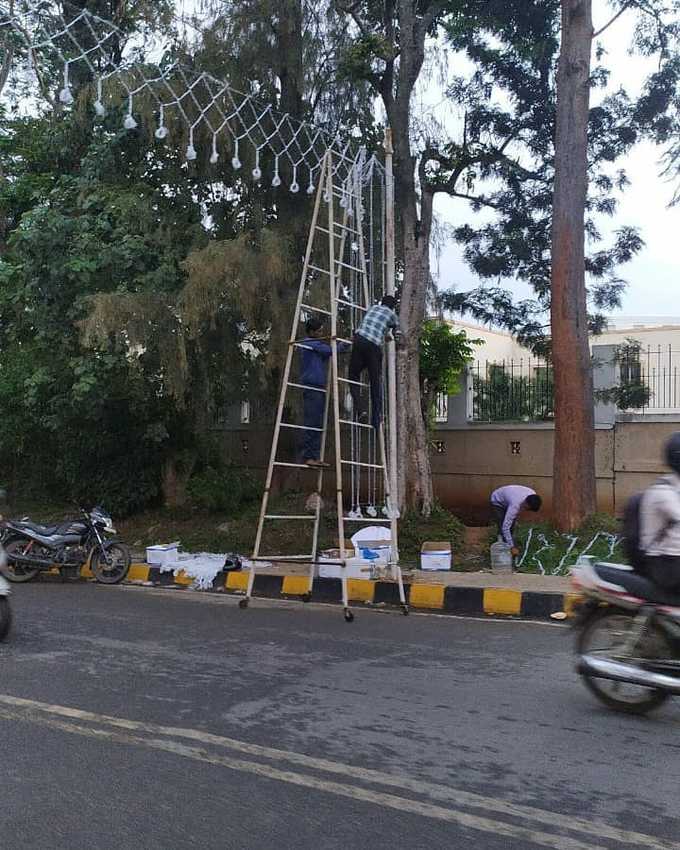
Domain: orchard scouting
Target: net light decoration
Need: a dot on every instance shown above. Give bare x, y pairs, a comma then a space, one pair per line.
196, 107
191, 104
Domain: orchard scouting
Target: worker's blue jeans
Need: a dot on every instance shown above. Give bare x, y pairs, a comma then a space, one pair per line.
313, 406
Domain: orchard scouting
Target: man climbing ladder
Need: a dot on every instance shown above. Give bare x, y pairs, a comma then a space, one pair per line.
367, 352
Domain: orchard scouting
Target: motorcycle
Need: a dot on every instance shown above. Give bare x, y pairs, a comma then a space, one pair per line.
628, 643
70, 545
5, 591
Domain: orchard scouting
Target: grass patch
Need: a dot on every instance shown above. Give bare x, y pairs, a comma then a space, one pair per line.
544, 550
199, 530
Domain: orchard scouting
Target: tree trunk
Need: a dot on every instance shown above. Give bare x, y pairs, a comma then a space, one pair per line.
415, 477
574, 459
177, 471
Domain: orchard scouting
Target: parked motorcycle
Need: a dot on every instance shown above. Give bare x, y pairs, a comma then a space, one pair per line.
5, 610
628, 641
69, 545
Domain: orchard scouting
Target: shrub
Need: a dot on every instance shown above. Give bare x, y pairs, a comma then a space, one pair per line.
226, 490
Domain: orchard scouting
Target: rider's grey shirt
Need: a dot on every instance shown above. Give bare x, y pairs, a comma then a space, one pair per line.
660, 518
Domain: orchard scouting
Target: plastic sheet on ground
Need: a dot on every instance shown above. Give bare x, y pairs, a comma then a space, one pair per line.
202, 567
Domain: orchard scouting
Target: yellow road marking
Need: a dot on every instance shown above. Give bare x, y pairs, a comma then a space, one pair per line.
427, 596
498, 601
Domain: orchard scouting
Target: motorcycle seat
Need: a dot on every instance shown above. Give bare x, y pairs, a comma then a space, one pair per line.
44, 530
637, 585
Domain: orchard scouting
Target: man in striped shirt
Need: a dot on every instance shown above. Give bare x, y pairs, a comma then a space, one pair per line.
367, 356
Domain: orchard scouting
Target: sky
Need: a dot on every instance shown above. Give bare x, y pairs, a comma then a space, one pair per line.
652, 276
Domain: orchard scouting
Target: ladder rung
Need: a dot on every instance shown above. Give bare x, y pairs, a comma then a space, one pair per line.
358, 463
290, 516
358, 424
317, 269
350, 266
283, 558
348, 229
350, 304
348, 341
305, 387
347, 380
300, 427
296, 465
364, 519
315, 309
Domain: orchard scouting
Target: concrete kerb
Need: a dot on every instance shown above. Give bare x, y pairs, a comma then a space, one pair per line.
461, 599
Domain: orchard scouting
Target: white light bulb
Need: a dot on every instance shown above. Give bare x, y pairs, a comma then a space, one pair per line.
130, 123
214, 158
257, 173
295, 188
99, 108
191, 153
162, 133
235, 163
65, 96
276, 181
310, 189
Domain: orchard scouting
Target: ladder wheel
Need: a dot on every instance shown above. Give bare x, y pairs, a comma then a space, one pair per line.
404, 609
349, 617
307, 597
243, 603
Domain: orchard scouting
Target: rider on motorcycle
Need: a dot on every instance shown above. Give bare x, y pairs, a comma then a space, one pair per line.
660, 524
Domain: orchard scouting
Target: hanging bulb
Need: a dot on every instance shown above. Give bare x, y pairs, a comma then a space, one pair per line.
355, 247
235, 163
162, 133
295, 187
99, 108
191, 152
276, 180
326, 197
372, 511
65, 96
349, 406
343, 201
257, 173
310, 189
214, 157
130, 123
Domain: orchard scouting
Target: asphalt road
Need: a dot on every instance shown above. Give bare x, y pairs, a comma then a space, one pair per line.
150, 719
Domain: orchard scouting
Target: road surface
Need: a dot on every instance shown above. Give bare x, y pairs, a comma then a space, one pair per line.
141, 719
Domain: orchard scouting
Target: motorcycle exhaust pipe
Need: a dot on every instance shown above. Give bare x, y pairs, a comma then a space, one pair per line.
602, 668
29, 561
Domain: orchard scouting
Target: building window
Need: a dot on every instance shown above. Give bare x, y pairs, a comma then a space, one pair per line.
245, 413
441, 413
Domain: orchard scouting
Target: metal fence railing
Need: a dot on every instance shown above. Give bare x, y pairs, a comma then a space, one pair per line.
649, 378
512, 390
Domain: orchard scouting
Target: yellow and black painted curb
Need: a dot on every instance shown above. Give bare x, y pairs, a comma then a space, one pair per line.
471, 601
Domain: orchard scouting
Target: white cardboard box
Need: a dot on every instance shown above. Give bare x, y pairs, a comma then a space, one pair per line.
435, 555
165, 553
354, 568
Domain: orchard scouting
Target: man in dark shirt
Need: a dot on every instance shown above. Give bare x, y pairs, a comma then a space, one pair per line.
316, 352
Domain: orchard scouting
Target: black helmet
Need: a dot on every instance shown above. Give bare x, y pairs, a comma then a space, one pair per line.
673, 452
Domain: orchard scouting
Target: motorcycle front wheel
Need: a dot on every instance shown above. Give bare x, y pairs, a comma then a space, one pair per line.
111, 566
21, 572
605, 634
5, 617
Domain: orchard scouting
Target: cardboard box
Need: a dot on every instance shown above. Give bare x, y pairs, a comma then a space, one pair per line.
159, 556
354, 568
435, 555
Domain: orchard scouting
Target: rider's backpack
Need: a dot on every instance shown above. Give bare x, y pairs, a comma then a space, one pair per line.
631, 532
632, 529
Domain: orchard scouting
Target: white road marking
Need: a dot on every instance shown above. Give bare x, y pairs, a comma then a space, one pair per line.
353, 792
45, 713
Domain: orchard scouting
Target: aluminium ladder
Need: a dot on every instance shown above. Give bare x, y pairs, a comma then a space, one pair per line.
336, 268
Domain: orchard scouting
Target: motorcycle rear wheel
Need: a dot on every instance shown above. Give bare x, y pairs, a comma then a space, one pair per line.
18, 573
605, 633
5, 617
114, 568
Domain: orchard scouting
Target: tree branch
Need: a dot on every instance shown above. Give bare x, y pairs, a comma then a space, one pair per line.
621, 11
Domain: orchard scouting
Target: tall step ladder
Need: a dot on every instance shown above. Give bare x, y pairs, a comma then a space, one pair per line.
337, 236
